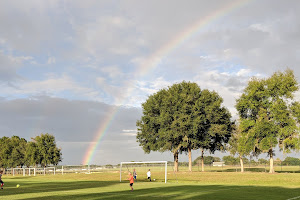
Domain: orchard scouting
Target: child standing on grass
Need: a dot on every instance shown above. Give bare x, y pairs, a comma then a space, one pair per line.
134, 174
1, 172
130, 178
149, 175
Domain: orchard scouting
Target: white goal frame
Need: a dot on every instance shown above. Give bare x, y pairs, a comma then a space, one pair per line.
165, 162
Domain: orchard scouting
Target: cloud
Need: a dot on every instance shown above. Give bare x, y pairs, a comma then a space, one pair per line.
52, 86
126, 131
10, 64
51, 60
73, 123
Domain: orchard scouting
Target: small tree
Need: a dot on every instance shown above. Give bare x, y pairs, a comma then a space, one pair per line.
291, 161
208, 160
230, 160
262, 161
240, 144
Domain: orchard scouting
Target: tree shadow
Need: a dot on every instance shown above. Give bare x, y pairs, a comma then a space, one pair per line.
207, 192
17, 177
252, 169
34, 187
298, 171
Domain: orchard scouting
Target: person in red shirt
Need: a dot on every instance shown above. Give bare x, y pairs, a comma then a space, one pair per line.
130, 178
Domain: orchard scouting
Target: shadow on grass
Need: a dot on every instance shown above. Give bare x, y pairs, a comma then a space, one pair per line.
298, 171
17, 177
35, 187
257, 169
208, 192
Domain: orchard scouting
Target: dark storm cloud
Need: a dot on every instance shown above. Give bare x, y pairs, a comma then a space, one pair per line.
73, 123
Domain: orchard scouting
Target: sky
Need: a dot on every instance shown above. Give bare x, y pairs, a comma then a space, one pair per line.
80, 70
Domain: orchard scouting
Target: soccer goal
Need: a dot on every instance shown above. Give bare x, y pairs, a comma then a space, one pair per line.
158, 169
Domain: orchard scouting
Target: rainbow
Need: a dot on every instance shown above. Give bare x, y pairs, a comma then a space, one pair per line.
152, 61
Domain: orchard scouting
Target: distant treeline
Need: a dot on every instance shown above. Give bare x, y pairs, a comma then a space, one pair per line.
230, 160
18, 152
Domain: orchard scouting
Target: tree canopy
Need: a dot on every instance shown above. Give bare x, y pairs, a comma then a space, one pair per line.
269, 115
16, 151
182, 118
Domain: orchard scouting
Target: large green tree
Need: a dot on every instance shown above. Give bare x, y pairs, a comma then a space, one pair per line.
12, 151
182, 118
5, 152
214, 125
269, 114
48, 152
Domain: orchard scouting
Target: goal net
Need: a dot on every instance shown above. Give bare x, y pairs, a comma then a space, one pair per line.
158, 170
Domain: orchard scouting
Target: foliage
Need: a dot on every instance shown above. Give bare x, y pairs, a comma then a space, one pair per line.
48, 153
181, 118
230, 160
269, 115
12, 151
291, 161
16, 151
262, 161
239, 143
208, 160
32, 154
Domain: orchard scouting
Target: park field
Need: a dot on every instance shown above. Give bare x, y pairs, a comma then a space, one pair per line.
182, 185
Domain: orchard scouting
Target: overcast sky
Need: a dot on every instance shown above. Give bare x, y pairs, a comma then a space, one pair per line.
65, 64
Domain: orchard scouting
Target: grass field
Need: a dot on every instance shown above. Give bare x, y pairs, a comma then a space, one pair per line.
185, 185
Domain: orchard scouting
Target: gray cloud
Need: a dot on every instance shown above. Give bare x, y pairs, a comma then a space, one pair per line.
71, 122
8, 68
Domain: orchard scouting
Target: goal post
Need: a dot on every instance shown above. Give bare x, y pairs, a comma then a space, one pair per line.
146, 162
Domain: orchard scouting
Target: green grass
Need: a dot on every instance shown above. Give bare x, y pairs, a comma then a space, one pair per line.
183, 185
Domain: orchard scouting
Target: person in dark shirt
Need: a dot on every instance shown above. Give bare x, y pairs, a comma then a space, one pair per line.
2, 183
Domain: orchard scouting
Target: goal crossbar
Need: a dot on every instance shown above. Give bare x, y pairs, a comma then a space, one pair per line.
146, 162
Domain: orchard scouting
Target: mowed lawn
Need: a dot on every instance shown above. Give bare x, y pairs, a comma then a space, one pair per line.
183, 185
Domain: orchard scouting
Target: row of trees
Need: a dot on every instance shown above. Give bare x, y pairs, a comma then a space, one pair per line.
288, 161
183, 117
16, 151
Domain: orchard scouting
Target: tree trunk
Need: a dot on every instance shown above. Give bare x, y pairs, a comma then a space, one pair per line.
242, 164
202, 160
190, 159
176, 161
271, 161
